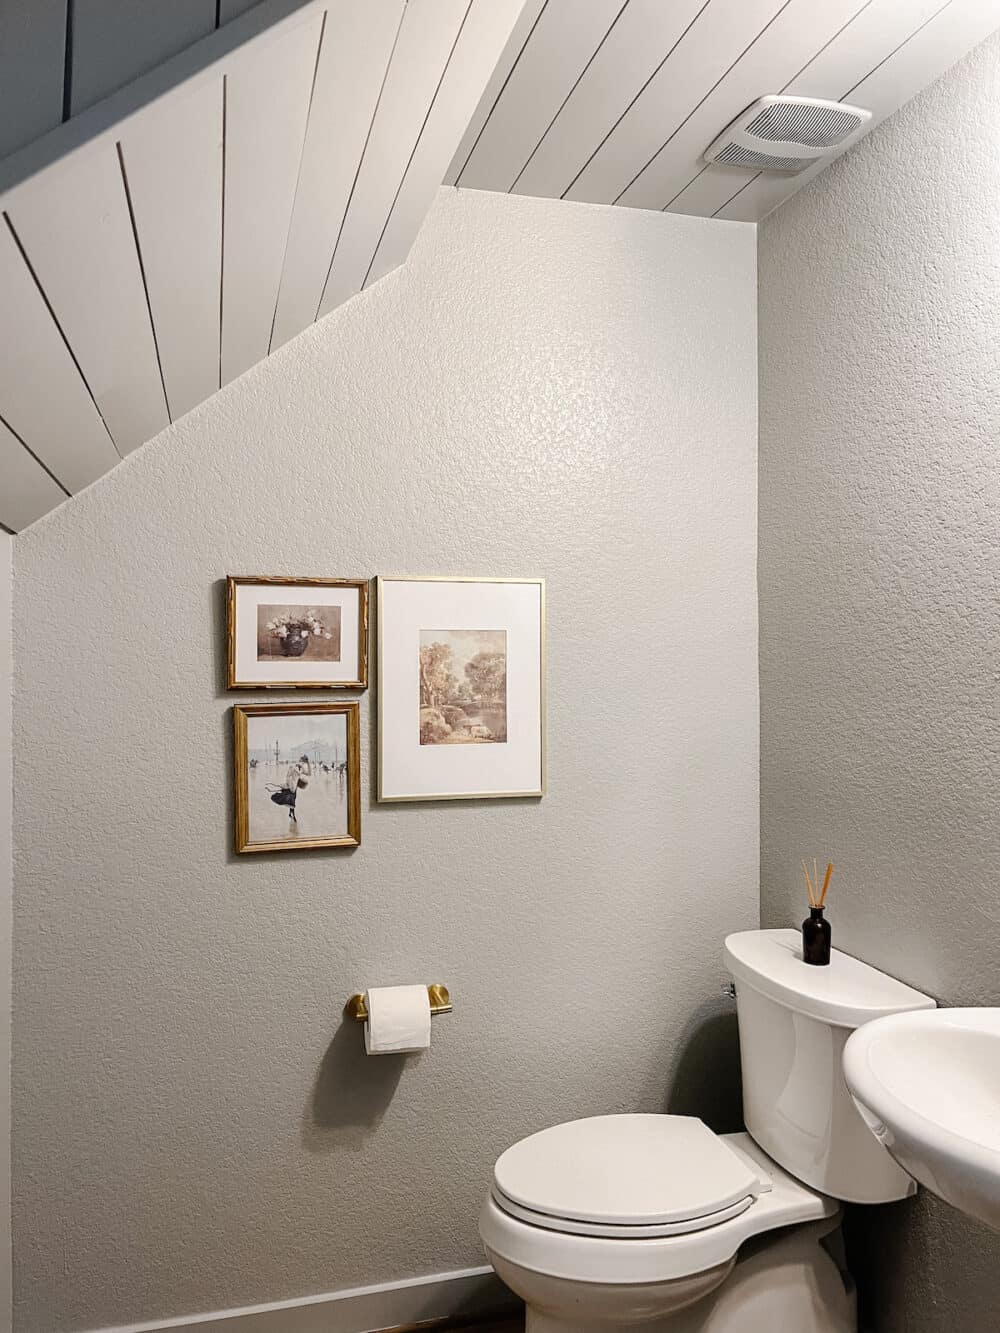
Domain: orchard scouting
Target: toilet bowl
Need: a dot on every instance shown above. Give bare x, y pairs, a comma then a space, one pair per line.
625, 1222
621, 1223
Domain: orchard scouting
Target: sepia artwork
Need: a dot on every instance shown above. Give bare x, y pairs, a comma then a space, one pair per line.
463, 687
297, 776
296, 633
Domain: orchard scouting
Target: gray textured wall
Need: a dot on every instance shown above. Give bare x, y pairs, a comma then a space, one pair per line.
537, 391
6, 891
880, 598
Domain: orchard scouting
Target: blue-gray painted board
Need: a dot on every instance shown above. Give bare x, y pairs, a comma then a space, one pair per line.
32, 58
114, 41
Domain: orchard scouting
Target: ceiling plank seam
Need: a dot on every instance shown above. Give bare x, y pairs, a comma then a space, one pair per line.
635, 99
503, 88
298, 177
416, 142
142, 274
702, 100
569, 94
787, 84
62, 332
361, 161
41, 462
798, 75
425, 38
350, 77
67, 102
847, 93
887, 58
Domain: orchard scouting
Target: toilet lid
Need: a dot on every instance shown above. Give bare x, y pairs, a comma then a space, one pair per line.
629, 1171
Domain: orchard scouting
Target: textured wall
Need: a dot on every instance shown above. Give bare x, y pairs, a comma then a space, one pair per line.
537, 391
6, 888
879, 607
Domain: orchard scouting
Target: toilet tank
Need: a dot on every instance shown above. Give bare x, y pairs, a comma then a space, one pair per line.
794, 1020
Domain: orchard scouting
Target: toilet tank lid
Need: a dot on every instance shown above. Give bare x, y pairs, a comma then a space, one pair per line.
846, 994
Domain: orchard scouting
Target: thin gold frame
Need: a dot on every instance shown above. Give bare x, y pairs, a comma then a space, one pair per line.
352, 838
460, 578
233, 581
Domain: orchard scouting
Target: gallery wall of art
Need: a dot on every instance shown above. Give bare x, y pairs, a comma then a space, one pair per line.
534, 396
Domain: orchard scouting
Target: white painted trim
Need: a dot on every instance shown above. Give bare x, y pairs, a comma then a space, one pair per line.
474, 1291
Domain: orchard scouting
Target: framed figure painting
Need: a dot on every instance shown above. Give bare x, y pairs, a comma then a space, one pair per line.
461, 688
297, 776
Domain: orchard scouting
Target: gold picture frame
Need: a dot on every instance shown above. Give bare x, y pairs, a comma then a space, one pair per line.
261, 828
239, 649
383, 795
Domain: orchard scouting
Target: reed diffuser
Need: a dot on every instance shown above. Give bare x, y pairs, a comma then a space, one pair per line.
816, 929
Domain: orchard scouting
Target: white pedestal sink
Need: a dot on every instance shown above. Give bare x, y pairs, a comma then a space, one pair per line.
928, 1085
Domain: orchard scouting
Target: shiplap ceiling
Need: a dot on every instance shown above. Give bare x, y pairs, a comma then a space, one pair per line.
161, 240
156, 245
615, 103
58, 57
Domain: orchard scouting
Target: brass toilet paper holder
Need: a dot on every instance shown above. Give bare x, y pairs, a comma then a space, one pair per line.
357, 1005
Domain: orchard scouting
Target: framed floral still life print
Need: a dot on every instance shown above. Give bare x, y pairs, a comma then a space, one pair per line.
461, 688
298, 776
296, 633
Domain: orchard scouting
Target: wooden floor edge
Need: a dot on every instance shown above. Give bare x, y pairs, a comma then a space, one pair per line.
506, 1321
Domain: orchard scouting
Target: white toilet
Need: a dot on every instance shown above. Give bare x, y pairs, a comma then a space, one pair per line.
653, 1222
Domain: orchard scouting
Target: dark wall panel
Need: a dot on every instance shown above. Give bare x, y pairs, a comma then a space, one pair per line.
32, 56
114, 41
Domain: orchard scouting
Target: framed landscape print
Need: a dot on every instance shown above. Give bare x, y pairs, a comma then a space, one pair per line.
298, 776
296, 633
461, 688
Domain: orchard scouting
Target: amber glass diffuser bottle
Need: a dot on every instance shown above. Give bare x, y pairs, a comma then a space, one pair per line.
816, 938
816, 929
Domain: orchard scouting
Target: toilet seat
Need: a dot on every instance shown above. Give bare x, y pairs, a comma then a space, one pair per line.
529, 1239
619, 1231
625, 1176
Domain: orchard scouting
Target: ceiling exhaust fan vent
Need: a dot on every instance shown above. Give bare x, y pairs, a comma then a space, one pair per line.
780, 133
735, 155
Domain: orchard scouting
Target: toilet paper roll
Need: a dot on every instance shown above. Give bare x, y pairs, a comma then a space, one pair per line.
399, 1019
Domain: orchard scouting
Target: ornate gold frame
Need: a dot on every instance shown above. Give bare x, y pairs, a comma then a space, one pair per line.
233, 581
240, 760
460, 578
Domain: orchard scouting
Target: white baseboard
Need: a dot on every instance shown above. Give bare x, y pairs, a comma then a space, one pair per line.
471, 1291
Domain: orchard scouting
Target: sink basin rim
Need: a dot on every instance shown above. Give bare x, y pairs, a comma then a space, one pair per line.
901, 1118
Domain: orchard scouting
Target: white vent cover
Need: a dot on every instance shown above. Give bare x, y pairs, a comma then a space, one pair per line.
782, 133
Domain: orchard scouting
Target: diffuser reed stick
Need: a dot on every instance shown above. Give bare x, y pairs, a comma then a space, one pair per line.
826, 883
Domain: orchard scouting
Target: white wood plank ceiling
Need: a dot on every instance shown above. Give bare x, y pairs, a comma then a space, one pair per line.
275, 159
158, 244
615, 103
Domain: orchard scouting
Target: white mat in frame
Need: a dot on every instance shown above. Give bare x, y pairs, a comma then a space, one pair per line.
461, 687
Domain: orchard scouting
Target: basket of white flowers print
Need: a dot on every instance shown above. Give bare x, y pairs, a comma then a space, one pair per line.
293, 636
